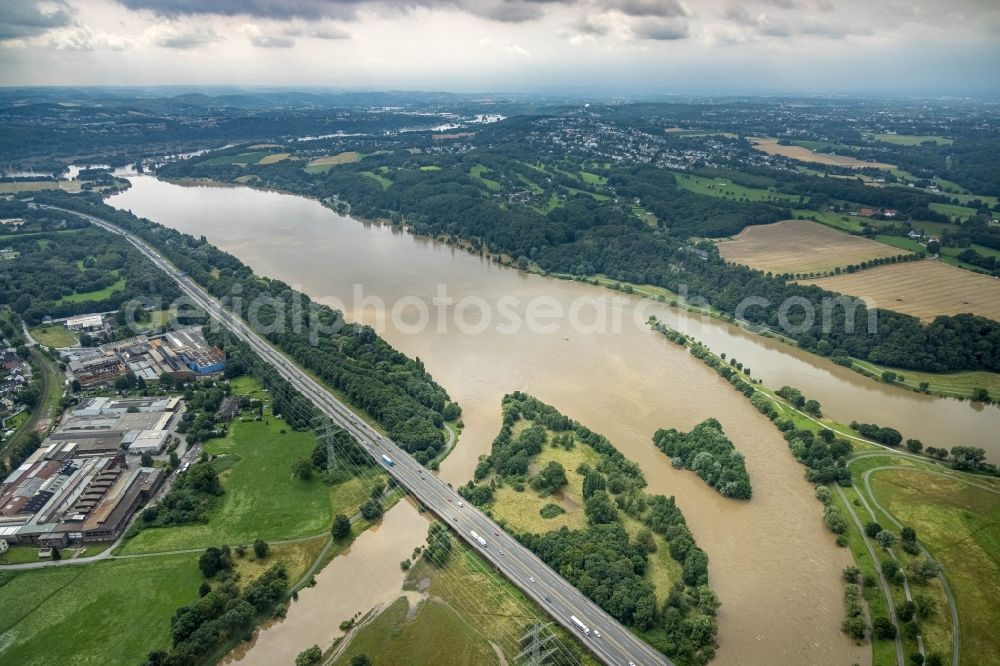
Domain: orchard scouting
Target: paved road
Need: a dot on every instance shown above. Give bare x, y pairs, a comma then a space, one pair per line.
883, 583
616, 645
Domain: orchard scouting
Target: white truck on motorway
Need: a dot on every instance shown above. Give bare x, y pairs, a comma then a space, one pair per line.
480, 540
387, 460
580, 625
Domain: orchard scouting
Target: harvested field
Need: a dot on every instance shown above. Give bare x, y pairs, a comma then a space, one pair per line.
323, 164
72, 186
911, 139
800, 246
923, 289
771, 147
456, 135
276, 157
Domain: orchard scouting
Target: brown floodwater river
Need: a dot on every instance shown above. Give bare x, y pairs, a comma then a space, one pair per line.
484, 330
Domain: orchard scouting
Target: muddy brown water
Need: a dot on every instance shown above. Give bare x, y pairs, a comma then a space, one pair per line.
364, 576
774, 566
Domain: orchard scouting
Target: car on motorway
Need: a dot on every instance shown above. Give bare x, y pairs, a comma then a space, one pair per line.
531, 578
460, 503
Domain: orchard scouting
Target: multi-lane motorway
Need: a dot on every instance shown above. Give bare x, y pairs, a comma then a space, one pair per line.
608, 639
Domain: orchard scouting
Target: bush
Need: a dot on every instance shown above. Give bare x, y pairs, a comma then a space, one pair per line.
477, 495
214, 560
341, 526
855, 627
550, 478
924, 605
834, 520
551, 510
309, 656
886, 539
883, 628
372, 510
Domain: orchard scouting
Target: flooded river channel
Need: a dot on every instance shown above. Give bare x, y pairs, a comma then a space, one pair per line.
773, 565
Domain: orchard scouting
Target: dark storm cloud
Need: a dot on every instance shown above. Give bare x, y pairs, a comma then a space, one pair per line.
510, 11
24, 18
506, 11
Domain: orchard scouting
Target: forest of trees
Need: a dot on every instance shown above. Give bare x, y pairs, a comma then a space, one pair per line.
708, 452
586, 234
602, 560
394, 389
65, 257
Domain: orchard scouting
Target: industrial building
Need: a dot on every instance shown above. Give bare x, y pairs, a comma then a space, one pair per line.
84, 483
89, 322
57, 502
197, 354
181, 355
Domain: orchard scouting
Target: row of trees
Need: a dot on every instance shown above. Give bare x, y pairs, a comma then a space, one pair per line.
824, 455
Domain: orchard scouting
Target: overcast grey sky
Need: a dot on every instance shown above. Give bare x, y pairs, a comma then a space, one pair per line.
929, 47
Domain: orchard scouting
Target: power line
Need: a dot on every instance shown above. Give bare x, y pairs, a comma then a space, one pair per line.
466, 594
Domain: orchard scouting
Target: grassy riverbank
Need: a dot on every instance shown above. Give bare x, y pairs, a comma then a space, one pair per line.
957, 519
263, 497
948, 384
105, 612
465, 605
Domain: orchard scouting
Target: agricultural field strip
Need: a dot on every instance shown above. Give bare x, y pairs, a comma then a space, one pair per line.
920, 286
796, 246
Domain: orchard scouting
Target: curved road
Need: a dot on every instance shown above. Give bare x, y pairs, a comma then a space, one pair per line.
956, 632
616, 645
883, 583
